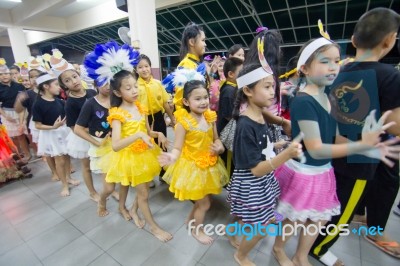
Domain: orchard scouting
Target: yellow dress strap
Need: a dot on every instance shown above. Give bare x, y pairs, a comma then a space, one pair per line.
117, 113
185, 119
210, 116
142, 109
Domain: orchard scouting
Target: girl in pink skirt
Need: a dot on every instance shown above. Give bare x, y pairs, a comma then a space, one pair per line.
308, 190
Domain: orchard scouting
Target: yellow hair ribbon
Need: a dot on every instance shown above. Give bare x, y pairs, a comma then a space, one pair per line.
321, 30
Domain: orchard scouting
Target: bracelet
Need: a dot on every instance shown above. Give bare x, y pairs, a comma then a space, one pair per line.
270, 163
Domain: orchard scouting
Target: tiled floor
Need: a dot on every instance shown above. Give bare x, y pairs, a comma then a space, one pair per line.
37, 227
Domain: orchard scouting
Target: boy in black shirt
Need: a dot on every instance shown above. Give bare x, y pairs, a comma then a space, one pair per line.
361, 86
227, 95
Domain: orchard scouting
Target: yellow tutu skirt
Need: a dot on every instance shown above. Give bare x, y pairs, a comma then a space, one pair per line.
189, 182
131, 168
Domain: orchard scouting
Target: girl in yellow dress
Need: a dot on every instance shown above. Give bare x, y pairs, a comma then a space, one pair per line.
133, 161
196, 171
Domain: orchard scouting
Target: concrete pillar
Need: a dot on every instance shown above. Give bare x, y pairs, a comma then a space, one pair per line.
143, 26
19, 47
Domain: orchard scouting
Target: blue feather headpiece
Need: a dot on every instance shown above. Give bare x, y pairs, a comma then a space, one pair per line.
108, 59
180, 76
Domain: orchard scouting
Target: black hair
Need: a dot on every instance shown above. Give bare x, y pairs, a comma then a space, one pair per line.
374, 26
15, 67
189, 87
311, 58
144, 57
231, 64
62, 85
115, 85
292, 64
191, 31
41, 85
36, 70
240, 96
272, 52
234, 49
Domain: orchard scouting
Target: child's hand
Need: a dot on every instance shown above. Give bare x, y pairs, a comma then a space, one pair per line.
166, 159
217, 147
372, 129
146, 138
163, 141
295, 149
104, 140
280, 144
21, 129
59, 122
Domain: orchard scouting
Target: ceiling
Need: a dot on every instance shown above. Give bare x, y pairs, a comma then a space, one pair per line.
8, 4
75, 7
228, 22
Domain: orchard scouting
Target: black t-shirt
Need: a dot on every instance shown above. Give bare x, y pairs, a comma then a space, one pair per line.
47, 112
305, 107
227, 95
8, 94
73, 107
249, 142
360, 88
28, 102
94, 116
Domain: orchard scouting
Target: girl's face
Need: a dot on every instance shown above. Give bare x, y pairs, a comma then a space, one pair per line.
144, 69
263, 93
14, 74
105, 90
128, 90
32, 78
26, 82
200, 44
53, 88
198, 100
324, 69
71, 80
239, 54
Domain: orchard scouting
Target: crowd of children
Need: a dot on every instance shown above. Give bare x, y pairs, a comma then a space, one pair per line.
118, 130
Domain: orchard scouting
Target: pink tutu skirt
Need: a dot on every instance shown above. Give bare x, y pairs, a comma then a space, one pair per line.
307, 192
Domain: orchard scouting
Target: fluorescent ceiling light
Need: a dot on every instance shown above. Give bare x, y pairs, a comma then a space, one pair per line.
16, 1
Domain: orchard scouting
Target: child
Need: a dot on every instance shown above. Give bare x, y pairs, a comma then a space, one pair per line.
9, 90
288, 87
253, 189
197, 171
308, 190
227, 96
154, 98
15, 73
78, 148
216, 78
236, 51
89, 127
374, 37
272, 52
193, 47
49, 117
134, 159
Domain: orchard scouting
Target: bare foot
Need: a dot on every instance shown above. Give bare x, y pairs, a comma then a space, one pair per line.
281, 257
95, 197
125, 213
140, 223
65, 191
202, 237
115, 195
55, 178
101, 209
301, 262
162, 235
243, 262
73, 181
232, 239
72, 170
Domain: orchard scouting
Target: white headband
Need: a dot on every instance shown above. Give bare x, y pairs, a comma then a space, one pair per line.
310, 49
44, 78
252, 77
